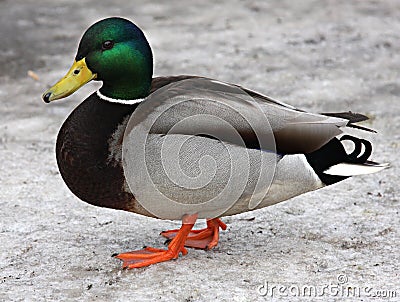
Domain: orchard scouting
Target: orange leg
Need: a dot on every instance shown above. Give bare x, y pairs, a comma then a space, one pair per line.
200, 239
149, 255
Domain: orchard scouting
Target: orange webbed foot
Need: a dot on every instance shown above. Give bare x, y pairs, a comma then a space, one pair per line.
206, 238
150, 255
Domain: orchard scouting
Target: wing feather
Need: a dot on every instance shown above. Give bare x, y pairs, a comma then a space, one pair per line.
294, 130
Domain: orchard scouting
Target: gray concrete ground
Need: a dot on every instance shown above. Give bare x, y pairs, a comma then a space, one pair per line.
320, 56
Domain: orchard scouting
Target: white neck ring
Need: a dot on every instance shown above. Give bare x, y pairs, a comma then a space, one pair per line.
118, 101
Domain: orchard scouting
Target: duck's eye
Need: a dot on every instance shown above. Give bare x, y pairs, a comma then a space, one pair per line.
107, 45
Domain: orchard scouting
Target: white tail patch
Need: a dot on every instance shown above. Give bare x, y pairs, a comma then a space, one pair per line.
348, 169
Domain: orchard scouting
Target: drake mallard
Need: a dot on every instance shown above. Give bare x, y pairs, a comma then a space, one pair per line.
97, 145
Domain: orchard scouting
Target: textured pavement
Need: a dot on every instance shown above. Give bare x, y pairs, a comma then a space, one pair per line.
319, 56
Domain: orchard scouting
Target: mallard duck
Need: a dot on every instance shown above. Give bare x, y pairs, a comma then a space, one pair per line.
98, 148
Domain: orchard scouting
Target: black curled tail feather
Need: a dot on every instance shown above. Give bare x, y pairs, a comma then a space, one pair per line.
356, 157
334, 153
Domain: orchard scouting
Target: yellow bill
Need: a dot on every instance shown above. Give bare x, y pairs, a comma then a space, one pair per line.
77, 76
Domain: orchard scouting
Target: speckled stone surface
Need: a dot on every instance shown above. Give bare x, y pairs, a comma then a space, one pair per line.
320, 56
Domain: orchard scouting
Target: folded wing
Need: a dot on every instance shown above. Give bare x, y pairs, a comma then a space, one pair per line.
200, 106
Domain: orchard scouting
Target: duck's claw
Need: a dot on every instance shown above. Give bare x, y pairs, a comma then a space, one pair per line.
200, 239
150, 255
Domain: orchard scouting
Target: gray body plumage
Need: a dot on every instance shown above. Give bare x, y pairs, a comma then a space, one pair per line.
186, 150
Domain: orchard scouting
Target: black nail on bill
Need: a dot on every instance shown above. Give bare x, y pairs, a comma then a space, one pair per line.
46, 97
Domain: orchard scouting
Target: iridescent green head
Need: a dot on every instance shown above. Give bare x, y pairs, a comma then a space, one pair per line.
115, 51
